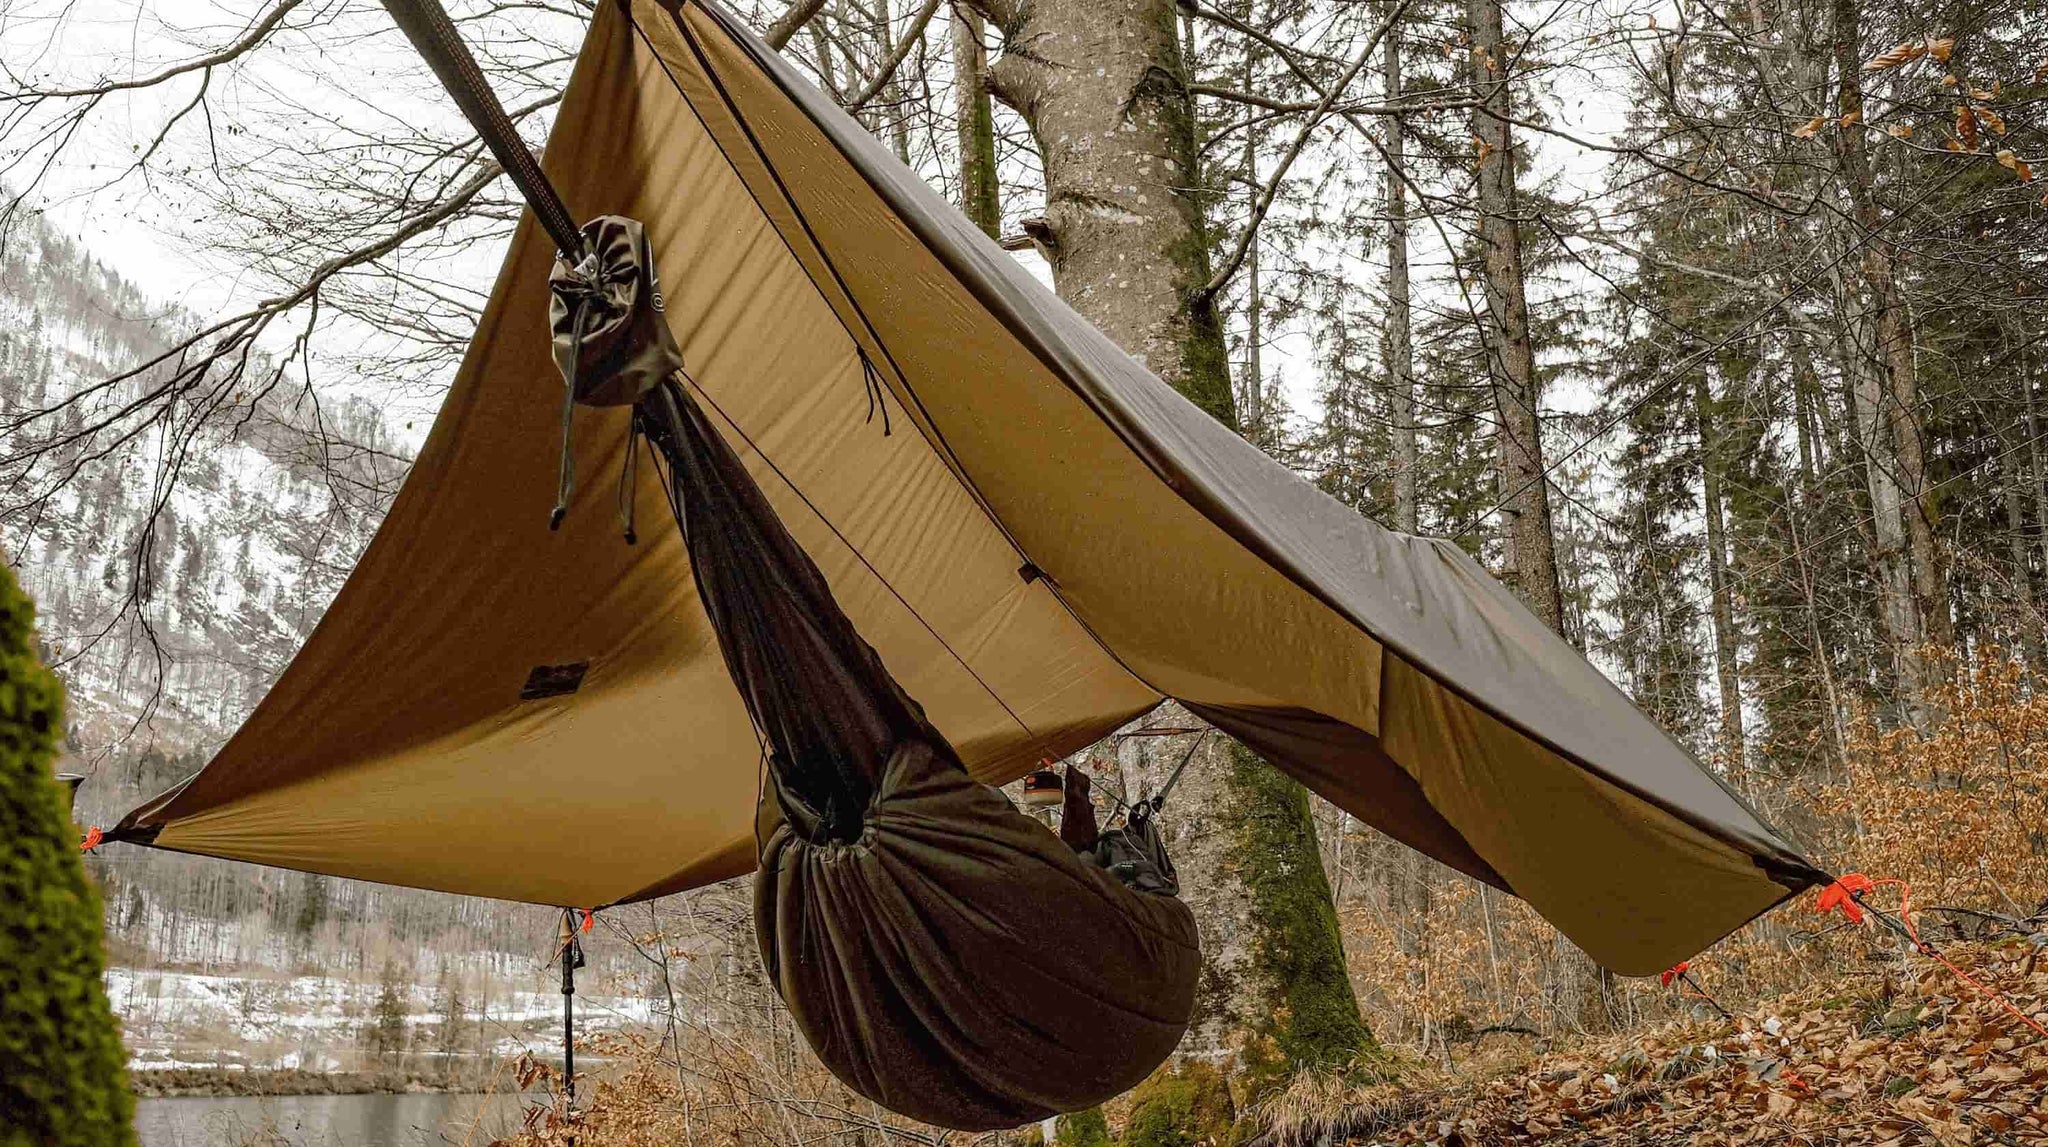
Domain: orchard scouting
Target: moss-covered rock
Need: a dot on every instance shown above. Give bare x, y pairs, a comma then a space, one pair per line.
62, 1075
1184, 1106
1312, 1020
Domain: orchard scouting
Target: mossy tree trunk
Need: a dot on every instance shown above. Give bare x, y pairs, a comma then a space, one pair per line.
1103, 87
975, 126
62, 1076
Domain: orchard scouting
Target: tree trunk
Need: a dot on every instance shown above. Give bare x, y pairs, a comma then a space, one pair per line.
1254, 378
980, 195
1888, 531
1726, 641
2037, 478
1400, 363
891, 96
1103, 89
1511, 357
1582, 986
2011, 483
1414, 875
1893, 327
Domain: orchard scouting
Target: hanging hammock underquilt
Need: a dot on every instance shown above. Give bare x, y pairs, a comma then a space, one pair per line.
1046, 541
944, 954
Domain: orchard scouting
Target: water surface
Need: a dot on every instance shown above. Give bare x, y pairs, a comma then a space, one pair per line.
325, 1120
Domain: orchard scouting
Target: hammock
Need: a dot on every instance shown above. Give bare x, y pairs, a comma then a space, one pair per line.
944, 954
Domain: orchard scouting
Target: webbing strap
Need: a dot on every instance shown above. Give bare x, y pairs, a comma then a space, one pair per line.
433, 34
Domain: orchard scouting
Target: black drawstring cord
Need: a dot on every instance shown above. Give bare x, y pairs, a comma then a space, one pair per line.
565, 482
629, 487
871, 381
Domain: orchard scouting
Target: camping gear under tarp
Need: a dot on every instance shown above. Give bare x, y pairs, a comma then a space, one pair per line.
944, 954
1045, 542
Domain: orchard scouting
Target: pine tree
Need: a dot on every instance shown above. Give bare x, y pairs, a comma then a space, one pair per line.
62, 1078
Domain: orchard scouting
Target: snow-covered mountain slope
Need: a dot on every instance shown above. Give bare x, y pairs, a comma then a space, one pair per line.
175, 574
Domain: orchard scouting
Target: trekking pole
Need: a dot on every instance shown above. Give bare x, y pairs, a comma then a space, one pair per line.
572, 959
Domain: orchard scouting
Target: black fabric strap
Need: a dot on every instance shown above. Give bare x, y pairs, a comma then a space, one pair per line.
427, 25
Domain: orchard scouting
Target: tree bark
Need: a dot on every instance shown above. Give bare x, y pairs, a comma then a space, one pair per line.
1511, 358
1104, 91
2011, 488
980, 195
1888, 531
1400, 364
1727, 645
1103, 87
1254, 377
1893, 327
1583, 986
2037, 476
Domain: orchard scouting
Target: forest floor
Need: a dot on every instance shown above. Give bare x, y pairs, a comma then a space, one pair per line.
1889, 1054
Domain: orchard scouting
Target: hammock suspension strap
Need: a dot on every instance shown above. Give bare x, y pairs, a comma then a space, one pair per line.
433, 35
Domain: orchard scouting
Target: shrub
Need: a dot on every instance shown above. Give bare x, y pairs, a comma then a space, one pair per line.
62, 1076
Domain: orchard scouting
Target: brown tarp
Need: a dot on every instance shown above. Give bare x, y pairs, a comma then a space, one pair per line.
1388, 672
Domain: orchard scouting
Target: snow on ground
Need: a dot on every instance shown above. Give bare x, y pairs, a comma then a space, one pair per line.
322, 1023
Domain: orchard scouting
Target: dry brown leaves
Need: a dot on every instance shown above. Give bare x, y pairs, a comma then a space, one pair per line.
1909, 51
1966, 126
1929, 1062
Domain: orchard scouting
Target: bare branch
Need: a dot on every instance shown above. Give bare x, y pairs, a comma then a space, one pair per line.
896, 57
1315, 119
791, 22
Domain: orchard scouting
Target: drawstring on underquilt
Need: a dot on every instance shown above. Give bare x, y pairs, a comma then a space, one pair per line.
629, 474
871, 381
565, 480
629, 469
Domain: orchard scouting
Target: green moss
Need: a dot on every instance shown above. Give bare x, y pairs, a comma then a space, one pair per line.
1311, 1020
980, 194
62, 1079
1205, 360
1082, 1129
1186, 1106
1203, 374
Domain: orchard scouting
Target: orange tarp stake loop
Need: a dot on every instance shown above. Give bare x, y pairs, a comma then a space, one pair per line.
1847, 894
1680, 974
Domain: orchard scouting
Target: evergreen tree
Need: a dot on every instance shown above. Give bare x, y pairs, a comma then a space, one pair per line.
62, 1079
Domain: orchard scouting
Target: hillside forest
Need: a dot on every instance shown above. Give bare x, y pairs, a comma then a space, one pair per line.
1715, 329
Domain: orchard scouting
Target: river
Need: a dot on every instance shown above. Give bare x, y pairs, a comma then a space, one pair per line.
415, 1120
